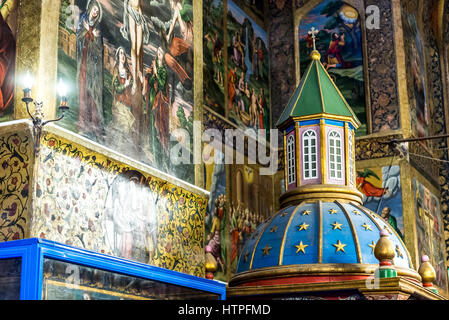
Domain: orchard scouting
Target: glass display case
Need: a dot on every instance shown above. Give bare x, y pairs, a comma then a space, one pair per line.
39, 269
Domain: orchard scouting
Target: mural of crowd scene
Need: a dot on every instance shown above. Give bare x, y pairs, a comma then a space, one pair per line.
382, 193
429, 228
217, 209
416, 75
8, 31
247, 210
257, 7
248, 88
340, 45
130, 66
86, 200
213, 53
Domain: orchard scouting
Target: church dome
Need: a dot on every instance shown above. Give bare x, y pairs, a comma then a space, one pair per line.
319, 237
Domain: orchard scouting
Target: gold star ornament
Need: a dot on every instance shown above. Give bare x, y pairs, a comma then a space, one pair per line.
266, 250
274, 229
336, 225
301, 247
339, 246
306, 212
332, 211
399, 252
367, 227
245, 257
357, 213
303, 226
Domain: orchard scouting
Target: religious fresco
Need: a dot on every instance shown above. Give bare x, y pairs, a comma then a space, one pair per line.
382, 193
15, 173
429, 229
216, 226
8, 32
417, 91
248, 86
213, 53
87, 200
248, 207
130, 64
340, 45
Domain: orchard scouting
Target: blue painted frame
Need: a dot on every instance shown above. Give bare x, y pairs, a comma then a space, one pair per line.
33, 251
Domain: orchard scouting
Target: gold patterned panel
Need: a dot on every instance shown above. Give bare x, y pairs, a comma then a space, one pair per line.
88, 200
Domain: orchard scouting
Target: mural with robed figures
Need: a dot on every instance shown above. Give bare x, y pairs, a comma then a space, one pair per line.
130, 66
248, 84
339, 43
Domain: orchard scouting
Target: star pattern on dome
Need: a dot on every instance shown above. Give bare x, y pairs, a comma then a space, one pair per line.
367, 227
339, 246
301, 247
303, 226
372, 245
306, 212
266, 250
336, 225
332, 211
399, 252
274, 229
357, 213
284, 214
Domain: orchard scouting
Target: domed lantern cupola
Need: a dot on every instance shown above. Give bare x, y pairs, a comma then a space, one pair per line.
319, 136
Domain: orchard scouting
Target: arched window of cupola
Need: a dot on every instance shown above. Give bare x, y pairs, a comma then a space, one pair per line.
339, 42
309, 155
335, 156
291, 160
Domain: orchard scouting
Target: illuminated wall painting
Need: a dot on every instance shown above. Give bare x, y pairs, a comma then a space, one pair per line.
130, 64
339, 42
429, 228
248, 84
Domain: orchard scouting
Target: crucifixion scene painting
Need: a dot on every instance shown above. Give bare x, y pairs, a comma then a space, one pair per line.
130, 65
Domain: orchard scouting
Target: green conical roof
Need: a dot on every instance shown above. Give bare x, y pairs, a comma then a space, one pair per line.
316, 94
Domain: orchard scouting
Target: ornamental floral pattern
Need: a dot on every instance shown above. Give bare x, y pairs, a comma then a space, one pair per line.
14, 185
87, 200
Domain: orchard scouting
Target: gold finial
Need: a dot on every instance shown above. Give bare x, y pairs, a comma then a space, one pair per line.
211, 264
315, 55
427, 272
384, 249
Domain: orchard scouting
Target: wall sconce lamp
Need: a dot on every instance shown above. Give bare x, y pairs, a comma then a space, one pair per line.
38, 116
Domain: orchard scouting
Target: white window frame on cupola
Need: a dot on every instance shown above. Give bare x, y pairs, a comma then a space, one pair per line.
309, 166
335, 152
291, 160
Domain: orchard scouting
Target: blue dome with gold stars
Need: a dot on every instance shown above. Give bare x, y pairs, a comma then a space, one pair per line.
319, 232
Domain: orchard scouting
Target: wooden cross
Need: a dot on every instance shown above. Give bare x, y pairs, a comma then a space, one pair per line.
313, 32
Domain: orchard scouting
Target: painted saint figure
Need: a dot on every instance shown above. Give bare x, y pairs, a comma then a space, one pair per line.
135, 29
89, 53
122, 117
334, 57
7, 57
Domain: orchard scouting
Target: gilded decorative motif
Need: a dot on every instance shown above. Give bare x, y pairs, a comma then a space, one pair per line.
87, 200
382, 71
374, 148
14, 185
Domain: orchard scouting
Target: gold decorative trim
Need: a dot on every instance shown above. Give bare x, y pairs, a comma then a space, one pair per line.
281, 251
354, 233
319, 86
298, 157
396, 285
320, 232
347, 137
320, 192
323, 152
316, 269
